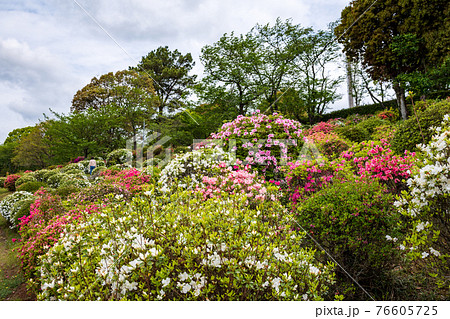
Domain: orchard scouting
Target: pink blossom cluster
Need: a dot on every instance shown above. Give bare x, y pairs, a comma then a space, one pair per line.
379, 162
237, 181
306, 177
323, 127
263, 141
247, 126
130, 179
10, 182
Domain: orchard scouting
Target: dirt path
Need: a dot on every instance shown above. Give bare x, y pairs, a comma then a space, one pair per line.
12, 285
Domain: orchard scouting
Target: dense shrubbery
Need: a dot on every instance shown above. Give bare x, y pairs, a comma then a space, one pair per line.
201, 255
350, 220
2, 181
427, 204
120, 156
31, 187
354, 133
409, 133
10, 182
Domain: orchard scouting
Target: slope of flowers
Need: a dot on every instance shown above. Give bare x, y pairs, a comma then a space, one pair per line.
221, 250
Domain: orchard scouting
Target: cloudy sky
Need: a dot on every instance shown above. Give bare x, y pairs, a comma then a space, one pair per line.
49, 49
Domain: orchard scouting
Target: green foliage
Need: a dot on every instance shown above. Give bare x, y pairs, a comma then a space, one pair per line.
350, 220
353, 133
25, 179
266, 61
74, 182
31, 186
32, 150
371, 123
2, 182
170, 70
44, 175
120, 156
408, 133
65, 191
361, 110
21, 209
55, 180
203, 255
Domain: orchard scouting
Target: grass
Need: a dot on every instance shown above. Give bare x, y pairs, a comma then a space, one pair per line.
10, 277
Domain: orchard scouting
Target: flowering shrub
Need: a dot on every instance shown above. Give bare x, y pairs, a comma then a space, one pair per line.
78, 159
130, 179
389, 115
40, 229
187, 170
10, 182
350, 220
236, 181
321, 127
306, 177
329, 144
55, 180
99, 193
119, 156
353, 133
182, 248
377, 161
7, 205
263, 141
427, 202
408, 134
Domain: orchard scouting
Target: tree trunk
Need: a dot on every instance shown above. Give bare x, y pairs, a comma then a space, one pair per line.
400, 95
351, 102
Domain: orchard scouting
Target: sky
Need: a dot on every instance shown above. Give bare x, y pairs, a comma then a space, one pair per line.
49, 49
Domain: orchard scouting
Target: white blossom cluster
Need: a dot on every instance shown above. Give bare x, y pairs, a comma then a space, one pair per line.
193, 165
431, 182
8, 205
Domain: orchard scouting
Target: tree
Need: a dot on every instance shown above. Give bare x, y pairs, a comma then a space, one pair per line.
117, 89
369, 31
92, 132
170, 72
8, 147
32, 151
129, 94
250, 70
229, 67
317, 88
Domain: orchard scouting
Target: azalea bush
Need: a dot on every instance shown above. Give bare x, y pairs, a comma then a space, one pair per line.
8, 208
375, 159
181, 247
350, 221
187, 170
25, 179
322, 127
130, 179
10, 182
306, 177
427, 203
237, 180
329, 144
266, 142
120, 156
